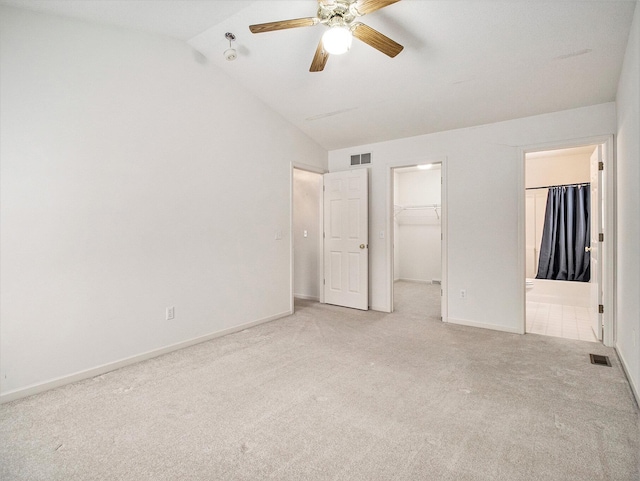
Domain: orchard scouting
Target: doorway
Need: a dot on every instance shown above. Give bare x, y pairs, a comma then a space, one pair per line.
306, 228
568, 212
417, 239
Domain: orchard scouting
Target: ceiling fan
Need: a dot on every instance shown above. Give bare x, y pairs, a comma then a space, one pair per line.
339, 16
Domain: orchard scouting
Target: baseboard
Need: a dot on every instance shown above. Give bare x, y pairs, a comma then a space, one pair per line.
634, 389
97, 371
306, 298
493, 327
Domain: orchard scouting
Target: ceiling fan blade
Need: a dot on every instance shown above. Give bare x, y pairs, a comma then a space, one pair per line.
282, 24
378, 41
319, 59
367, 6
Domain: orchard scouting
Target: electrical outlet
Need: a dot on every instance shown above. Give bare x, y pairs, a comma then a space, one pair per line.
463, 293
171, 313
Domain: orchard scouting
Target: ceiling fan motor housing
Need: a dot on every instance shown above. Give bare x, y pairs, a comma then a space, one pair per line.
338, 14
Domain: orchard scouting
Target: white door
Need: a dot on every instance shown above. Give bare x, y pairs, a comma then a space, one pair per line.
596, 245
346, 239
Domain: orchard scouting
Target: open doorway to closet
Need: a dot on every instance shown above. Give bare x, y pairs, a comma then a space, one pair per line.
564, 230
417, 240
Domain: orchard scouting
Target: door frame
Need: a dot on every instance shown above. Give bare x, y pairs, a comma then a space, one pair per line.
608, 252
444, 305
315, 170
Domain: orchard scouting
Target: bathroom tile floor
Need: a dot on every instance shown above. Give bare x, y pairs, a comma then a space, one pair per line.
569, 322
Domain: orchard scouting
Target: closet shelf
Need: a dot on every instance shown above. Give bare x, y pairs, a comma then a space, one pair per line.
401, 208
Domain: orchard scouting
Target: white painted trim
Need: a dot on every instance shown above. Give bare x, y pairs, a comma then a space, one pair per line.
390, 229
634, 389
378, 309
482, 325
391, 236
522, 248
415, 281
321, 244
291, 241
610, 227
112, 366
444, 228
308, 168
608, 278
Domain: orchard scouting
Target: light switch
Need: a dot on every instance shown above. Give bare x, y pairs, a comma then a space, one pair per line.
278, 235
381, 235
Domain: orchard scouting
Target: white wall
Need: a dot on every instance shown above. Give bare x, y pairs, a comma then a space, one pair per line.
560, 169
628, 204
418, 231
483, 199
307, 198
535, 212
134, 177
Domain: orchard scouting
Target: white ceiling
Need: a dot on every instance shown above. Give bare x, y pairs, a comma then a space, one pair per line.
465, 62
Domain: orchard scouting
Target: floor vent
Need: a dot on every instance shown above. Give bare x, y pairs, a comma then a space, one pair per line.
600, 360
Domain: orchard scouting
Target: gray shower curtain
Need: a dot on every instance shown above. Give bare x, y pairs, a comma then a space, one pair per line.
566, 233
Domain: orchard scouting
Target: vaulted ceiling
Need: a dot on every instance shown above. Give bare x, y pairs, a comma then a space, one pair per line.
464, 63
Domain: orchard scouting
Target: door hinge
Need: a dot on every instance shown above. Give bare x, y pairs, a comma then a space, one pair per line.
601, 237
441, 293
324, 282
600, 165
600, 309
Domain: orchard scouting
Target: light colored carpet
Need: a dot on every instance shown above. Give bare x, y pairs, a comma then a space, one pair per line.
336, 394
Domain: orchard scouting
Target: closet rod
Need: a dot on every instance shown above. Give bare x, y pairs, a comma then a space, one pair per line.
561, 185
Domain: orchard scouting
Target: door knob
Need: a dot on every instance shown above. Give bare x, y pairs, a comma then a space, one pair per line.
587, 249
362, 246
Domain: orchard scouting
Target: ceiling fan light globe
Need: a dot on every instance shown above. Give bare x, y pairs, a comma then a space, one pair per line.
337, 40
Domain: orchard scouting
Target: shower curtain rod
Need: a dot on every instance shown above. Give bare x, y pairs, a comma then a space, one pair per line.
561, 185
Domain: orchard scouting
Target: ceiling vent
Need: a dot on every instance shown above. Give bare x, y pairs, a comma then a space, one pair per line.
361, 159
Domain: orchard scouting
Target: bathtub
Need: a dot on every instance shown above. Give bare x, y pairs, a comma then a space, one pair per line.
559, 292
